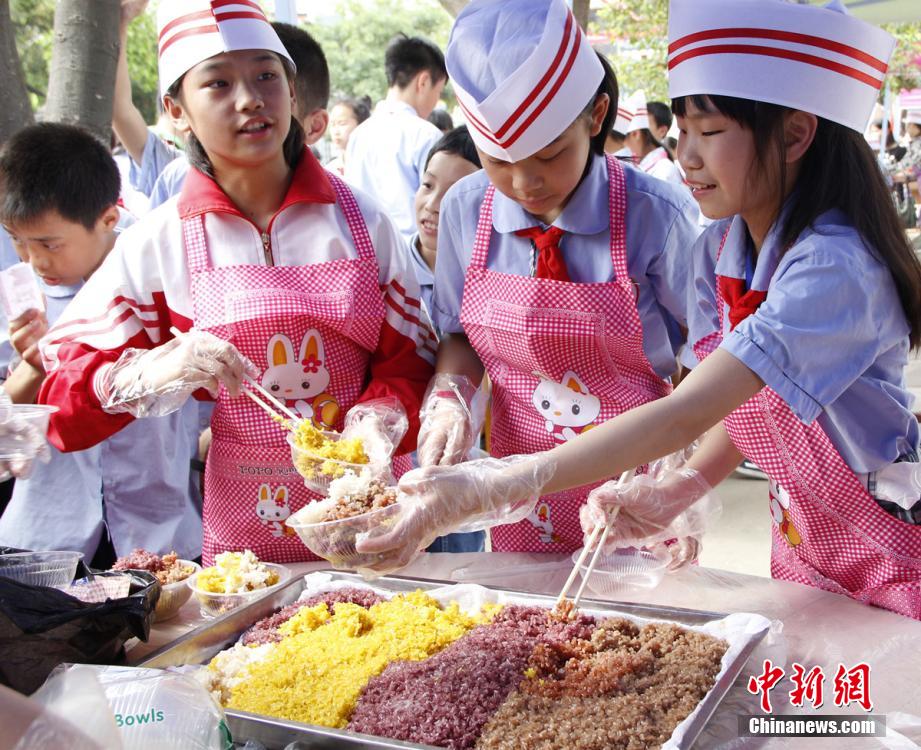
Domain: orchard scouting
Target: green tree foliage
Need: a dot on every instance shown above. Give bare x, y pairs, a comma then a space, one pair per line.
637, 44
905, 65
356, 33
33, 22
637, 32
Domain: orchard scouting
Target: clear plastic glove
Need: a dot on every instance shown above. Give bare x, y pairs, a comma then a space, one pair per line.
652, 509
474, 495
450, 420
380, 424
22, 443
156, 382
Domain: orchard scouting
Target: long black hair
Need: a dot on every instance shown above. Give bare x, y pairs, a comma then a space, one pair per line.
838, 171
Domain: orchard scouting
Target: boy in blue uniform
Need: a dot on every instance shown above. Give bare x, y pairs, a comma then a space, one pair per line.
59, 208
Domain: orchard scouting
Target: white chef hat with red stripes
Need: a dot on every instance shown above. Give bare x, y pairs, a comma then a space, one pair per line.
522, 71
637, 104
623, 117
816, 59
191, 31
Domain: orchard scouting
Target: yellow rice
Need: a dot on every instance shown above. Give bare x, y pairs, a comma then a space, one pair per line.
319, 454
316, 673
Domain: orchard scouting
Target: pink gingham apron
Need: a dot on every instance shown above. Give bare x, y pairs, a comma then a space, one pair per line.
520, 326
247, 305
833, 534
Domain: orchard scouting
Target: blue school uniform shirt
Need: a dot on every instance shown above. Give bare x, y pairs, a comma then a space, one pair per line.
138, 482
661, 230
386, 157
424, 274
145, 177
830, 338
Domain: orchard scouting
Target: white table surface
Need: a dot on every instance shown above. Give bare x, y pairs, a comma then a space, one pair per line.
813, 628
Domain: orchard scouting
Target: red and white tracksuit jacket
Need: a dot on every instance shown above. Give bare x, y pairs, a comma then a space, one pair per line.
143, 289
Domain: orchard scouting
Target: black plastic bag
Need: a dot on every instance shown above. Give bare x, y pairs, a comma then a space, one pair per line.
42, 627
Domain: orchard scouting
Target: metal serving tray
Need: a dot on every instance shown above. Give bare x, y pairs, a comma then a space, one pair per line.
201, 644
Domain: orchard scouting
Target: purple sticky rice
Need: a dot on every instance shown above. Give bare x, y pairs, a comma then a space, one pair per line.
446, 699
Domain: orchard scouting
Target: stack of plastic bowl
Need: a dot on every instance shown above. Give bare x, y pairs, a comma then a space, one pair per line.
52, 568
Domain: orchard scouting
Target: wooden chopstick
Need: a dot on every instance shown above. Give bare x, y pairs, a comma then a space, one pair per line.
604, 531
594, 561
272, 401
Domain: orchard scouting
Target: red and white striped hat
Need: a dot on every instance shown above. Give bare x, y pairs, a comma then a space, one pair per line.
522, 71
623, 118
637, 104
191, 31
816, 59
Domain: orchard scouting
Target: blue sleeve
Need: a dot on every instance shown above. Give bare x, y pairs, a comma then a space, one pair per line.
451, 263
670, 273
169, 183
157, 155
703, 318
824, 322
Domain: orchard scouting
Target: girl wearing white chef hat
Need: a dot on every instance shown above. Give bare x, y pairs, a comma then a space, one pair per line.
268, 264
650, 155
560, 272
808, 299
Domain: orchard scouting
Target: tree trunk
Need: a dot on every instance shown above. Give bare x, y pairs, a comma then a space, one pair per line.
16, 111
83, 64
453, 6
580, 10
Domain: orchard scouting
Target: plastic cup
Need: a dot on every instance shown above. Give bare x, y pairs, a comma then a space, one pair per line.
35, 414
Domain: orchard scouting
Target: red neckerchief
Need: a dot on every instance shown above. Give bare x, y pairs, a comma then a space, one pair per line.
741, 303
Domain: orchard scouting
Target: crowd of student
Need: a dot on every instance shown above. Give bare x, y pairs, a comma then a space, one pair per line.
559, 256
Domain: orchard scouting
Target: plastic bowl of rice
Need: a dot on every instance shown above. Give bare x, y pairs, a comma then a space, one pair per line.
321, 456
235, 580
357, 504
623, 570
170, 570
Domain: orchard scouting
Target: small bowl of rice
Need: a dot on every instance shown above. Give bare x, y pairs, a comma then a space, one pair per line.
623, 570
235, 579
321, 456
171, 571
356, 504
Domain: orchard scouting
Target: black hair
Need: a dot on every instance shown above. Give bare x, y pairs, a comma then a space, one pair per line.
607, 86
660, 112
838, 171
55, 167
311, 82
360, 106
407, 56
456, 141
441, 119
293, 147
